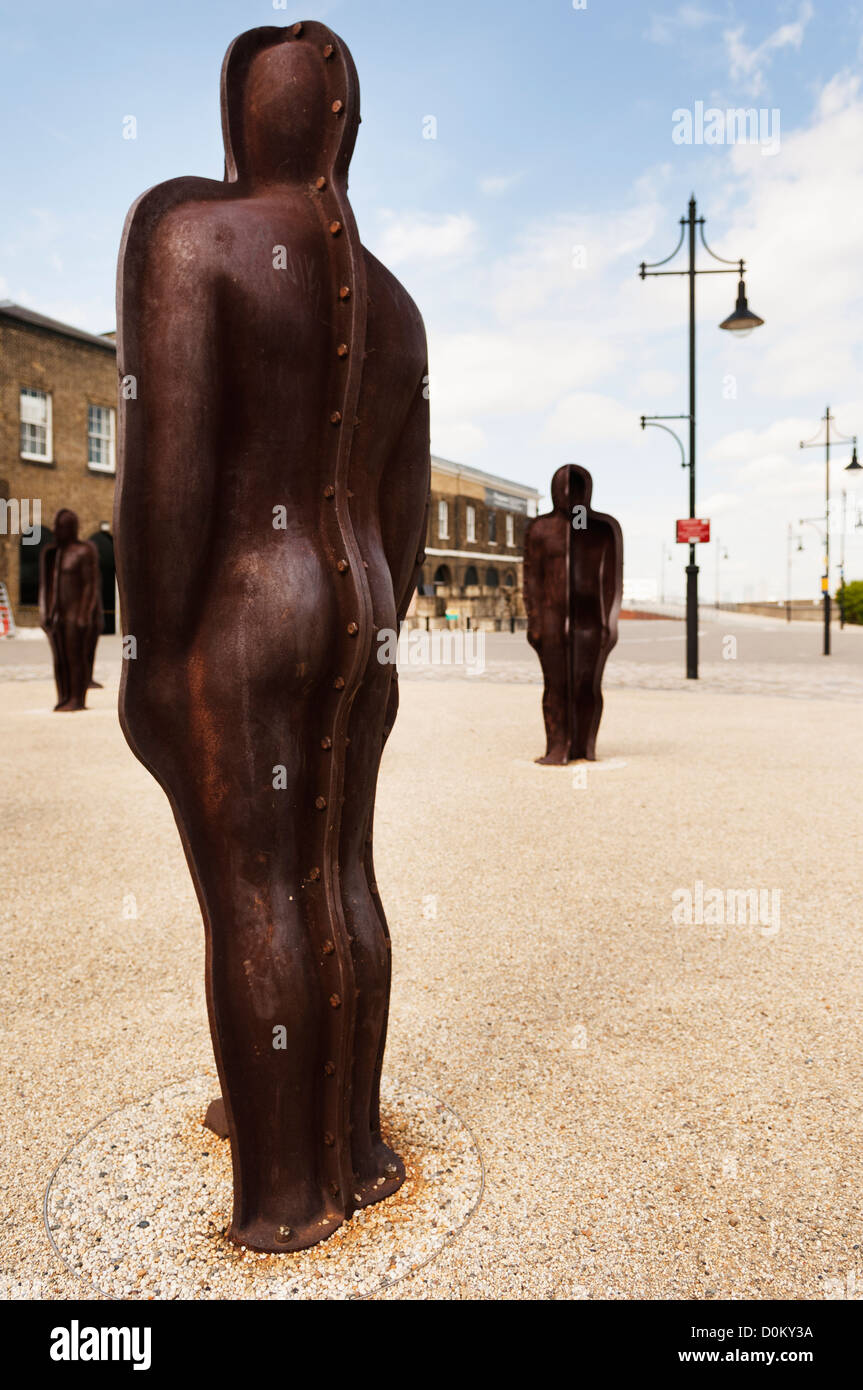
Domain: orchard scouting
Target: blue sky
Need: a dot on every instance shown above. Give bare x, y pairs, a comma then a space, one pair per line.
519, 228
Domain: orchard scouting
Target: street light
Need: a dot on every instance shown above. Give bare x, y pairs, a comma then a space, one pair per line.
791, 539
852, 467
741, 321
721, 554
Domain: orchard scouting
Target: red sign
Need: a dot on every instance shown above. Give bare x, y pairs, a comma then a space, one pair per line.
692, 530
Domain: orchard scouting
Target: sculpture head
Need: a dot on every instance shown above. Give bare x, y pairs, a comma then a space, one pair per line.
571, 486
279, 87
65, 527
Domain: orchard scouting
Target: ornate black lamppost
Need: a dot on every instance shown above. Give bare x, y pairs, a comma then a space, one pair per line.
827, 420
741, 321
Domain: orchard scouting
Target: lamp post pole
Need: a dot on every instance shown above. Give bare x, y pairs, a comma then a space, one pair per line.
741, 321
788, 584
853, 466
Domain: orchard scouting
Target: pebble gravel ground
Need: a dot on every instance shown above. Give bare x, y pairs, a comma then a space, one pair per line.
664, 1111
140, 1205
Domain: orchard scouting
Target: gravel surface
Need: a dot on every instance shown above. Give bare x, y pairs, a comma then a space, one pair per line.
139, 1206
665, 1111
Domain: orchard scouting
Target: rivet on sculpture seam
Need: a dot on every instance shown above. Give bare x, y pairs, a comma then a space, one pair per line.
339, 682
335, 1001
328, 948
345, 292
321, 803
336, 417
353, 629
342, 349
338, 107
326, 742
335, 227
342, 566
329, 490
320, 183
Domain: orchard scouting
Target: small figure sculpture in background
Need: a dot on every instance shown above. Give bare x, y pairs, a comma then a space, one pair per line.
70, 609
573, 585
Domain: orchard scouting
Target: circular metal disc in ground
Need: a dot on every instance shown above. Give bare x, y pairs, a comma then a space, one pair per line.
140, 1203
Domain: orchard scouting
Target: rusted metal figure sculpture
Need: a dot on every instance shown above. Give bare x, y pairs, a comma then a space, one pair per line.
573, 585
270, 516
70, 610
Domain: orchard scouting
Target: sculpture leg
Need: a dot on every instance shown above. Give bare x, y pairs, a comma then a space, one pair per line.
73, 640
553, 658
378, 1171
267, 1010
587, 704
61, 670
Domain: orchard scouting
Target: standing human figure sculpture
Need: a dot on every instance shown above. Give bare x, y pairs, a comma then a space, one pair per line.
69, 609
270, 517
573, 586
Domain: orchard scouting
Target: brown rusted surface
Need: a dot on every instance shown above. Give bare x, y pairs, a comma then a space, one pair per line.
261, 384
70, 610
573, 587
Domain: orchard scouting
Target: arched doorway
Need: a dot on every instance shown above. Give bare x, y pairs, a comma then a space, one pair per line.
104, 543
442, 578
28, 568
491, 578
471, 578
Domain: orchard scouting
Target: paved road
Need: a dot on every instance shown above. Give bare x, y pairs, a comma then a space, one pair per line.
766, 657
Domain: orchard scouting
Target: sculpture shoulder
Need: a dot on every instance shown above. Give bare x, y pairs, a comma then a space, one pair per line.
609, 524
543, 528
176, 219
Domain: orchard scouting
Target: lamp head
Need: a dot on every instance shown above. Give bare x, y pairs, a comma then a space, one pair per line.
742, 321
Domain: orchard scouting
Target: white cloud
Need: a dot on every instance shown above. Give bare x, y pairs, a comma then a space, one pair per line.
587, 417
665, 28
425, 237
748, 65
494, 184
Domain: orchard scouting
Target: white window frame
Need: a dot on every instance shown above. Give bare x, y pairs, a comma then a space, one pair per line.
27, 392
470, 522
510, 529
443, 520
110, 437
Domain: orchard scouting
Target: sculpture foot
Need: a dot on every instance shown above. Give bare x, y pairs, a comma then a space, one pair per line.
268, 1239
69, 706
95, 685
387, 1178
554, 758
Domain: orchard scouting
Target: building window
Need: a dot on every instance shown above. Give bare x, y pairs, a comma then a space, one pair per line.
442, 521
510, 529
470, 522
100, 438
492, 528
36, 442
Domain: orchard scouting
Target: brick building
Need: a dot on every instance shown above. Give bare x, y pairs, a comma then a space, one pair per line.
58, 413
474, 548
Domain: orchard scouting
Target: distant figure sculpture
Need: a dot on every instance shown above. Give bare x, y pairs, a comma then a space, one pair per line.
69, 609
270, 515
573, 585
